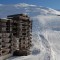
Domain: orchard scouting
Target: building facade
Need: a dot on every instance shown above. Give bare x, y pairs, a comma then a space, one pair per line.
5, 37
15, 35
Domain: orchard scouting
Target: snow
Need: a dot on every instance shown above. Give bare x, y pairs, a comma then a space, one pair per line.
54, 39
45, 30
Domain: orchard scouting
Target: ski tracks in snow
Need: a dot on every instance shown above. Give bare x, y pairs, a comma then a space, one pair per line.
45, 43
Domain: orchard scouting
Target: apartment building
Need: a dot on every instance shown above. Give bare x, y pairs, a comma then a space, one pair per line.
5, 37
22, 28
15, 35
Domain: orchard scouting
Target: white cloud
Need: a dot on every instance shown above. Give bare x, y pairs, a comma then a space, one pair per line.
1, 4
23, 5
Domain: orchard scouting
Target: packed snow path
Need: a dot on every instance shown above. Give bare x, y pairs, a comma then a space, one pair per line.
47, 48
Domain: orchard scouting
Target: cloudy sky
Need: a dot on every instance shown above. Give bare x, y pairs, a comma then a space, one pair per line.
55, 4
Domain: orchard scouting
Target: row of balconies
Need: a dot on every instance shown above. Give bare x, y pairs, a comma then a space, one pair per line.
25, 21
5, 35
4, 25
6, 39
24, 46
4, 30
23, 24
25, 31
23, 17
24, 41
22, 21
5, 51
3, 20
23, 38
6, 45
22, 32
10, 30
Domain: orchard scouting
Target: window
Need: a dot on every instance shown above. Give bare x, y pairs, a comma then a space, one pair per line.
0, 49
3, 45
10, 41
23, 29
15, 24
23, 33
8, 29
3, 51
8, 26
0, 29
9, 47
15, 28
15, 34
25, 24
0, 54
9, 36
8, 23
10, 51
24, 42
0, 37
24, 38
23, 47
20, 40
0, 43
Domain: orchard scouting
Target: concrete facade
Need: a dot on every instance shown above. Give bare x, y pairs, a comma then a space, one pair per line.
15, 35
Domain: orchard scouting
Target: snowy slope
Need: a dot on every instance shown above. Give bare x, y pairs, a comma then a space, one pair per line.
54, 39
45, 33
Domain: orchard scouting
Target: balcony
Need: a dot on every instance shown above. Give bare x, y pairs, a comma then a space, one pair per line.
23, 17
8, 45
5, 39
